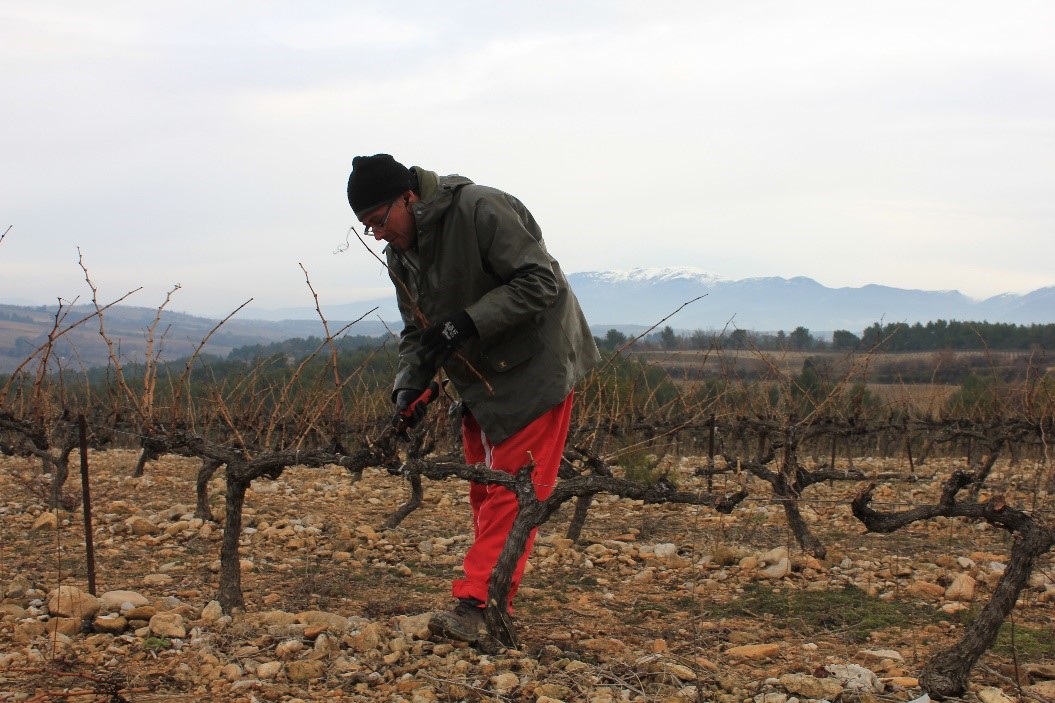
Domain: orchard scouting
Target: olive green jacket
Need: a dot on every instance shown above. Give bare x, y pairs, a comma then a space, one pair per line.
480, 250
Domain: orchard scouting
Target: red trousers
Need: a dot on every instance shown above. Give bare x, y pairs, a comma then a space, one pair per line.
495, 507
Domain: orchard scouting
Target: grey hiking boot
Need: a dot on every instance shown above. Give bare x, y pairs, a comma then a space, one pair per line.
464, 623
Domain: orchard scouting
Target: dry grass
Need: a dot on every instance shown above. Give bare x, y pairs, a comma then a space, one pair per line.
927, 398
917, 381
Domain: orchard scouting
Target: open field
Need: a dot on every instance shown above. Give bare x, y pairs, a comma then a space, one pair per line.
920, 381
657, 602
755, 363
927, 398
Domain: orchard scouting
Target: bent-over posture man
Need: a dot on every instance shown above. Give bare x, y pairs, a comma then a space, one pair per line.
481, 297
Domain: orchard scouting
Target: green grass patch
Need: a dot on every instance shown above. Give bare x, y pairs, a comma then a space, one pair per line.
848, 612
156, 644
1029, 642
685, 603
1015, 639
641, 465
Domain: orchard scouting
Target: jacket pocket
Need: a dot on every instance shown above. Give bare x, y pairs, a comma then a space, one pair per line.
515, 350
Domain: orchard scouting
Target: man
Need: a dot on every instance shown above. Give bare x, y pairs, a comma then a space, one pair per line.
481, 297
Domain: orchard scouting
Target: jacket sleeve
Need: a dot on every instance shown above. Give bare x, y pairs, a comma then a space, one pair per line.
412, 371
511, 245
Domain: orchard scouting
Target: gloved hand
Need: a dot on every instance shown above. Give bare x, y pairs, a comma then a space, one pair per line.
405, 397
443, 338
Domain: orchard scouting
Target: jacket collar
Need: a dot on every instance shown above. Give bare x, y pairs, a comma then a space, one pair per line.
437, 194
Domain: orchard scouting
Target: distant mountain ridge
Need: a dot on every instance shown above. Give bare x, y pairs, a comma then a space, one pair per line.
773, 303
640, 297
629, 301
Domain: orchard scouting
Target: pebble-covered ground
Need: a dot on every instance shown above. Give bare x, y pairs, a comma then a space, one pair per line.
656, 603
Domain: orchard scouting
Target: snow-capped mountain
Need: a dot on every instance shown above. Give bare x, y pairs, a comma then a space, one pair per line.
655, 275
644, 296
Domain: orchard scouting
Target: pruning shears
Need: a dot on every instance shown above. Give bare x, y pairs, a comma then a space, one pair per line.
402, 419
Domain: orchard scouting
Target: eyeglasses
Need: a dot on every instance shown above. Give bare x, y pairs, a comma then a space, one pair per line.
371, 230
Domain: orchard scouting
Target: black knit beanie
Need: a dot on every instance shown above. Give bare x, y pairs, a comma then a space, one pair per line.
376, 180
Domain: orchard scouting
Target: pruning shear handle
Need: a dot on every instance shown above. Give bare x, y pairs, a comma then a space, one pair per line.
403, 418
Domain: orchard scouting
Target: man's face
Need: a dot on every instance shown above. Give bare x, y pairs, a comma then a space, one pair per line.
393, 223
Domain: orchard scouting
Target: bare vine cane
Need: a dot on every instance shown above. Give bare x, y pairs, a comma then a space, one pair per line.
183, 382
632, 340
338, 384
46, 347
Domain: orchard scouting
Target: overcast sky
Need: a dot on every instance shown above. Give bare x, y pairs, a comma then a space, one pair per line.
208, 144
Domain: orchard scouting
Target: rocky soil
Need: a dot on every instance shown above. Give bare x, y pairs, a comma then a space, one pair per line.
656, 603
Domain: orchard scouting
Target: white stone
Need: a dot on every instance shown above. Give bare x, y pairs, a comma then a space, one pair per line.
774, 555
46, 521
268, 670
141, 526
110, 623
277, 617
810, 686
881, 654
778, 570
17, 587
505, 682
961, 589
335, 622
326, 644
772, 697
993, 695
116, 600
416, 626
301, 671
212, 612
856, 677
11, 611
72, 602
645, 575
665, 549
288, 649
231, 672
168, 625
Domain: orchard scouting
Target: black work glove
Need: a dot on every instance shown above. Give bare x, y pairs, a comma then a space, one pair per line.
443, 338
405, 397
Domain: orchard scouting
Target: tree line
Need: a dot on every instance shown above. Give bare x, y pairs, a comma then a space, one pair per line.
893, 337
14, 317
